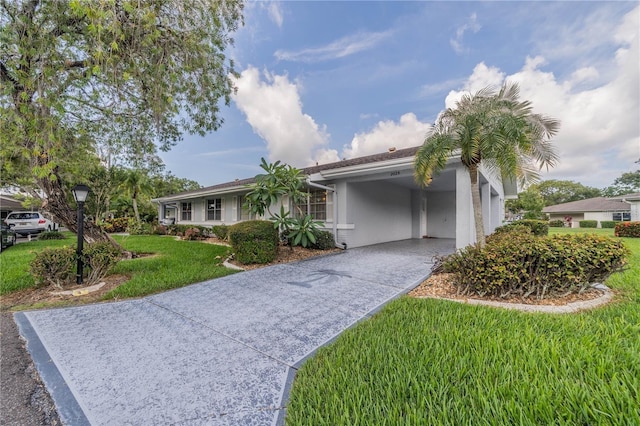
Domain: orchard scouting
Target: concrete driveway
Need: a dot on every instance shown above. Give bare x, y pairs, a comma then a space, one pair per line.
221, 352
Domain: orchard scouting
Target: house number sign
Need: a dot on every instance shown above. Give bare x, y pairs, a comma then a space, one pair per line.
396, 173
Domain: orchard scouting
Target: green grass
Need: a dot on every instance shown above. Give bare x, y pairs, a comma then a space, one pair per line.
14, 262
173, 264
429, 362
176, 263
599, 231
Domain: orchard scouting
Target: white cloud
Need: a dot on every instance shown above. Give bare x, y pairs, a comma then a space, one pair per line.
599, 138
275, 13
408, 132
481, 77
273, 108
341, 48
472, 25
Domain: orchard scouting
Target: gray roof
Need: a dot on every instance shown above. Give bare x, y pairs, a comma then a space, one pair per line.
8, 203
635, 196
597, 204
390, 155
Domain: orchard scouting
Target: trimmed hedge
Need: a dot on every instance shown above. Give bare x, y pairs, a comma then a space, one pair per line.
324, 240
588, 223
608, 224
519, 264
254, 241
628, 229
537, 227
556, 223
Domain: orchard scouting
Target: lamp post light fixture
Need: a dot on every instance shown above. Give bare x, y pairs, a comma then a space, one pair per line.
80, 193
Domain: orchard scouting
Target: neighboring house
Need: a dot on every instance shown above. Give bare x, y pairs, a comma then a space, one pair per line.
8, 205
598, 208
363, 201
634, 205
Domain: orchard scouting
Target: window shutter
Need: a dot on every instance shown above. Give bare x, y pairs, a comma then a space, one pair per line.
234, 208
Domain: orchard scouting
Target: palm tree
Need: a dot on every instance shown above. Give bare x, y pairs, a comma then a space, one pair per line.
496, 130
135, 182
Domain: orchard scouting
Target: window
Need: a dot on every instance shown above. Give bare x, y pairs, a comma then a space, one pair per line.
316, 206
185, 211
622, 216
214, 209
243, 212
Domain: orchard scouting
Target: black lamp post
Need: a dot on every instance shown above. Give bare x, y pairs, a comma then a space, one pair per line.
80, 193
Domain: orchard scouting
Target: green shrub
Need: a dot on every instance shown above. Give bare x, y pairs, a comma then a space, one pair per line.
254, 241
54, 266
99, 258
301, 231
588, 223
556, 223
607, 224
519, 264
628, 229
324, 240
159, 229
511, 228
51, 235
220, 231
139, 228
537, 227
118, 224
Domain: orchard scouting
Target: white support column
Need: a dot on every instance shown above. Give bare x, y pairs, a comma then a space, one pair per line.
465, 234
496, 212
485, 196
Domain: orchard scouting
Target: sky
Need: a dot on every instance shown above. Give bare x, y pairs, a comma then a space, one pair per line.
321, 81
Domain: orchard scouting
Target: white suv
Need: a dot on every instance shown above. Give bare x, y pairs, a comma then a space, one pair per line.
27, 223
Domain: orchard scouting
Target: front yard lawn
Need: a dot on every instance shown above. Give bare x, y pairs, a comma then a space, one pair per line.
434, 362
168, 263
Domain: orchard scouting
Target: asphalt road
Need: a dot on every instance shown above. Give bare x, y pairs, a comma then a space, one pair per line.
24, 400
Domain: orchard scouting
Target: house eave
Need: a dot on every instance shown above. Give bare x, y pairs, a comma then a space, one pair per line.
200, 194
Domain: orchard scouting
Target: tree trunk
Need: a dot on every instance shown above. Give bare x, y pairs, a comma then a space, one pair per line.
477, 205
134, 201
56, 204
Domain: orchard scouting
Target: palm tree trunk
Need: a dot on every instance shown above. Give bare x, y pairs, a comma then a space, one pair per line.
477, 205
135, 209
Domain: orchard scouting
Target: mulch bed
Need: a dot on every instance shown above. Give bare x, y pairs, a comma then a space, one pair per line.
441, 286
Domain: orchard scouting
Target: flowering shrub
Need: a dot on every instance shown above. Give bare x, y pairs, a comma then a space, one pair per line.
628, 229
